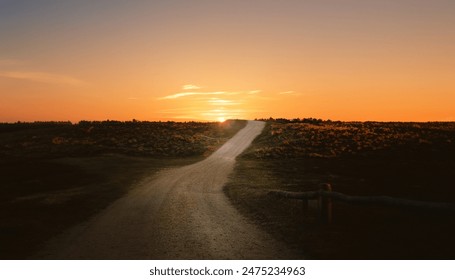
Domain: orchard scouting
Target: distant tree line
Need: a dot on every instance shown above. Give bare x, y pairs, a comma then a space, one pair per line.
297, 120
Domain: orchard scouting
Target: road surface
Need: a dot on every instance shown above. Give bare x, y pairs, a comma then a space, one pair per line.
180, 213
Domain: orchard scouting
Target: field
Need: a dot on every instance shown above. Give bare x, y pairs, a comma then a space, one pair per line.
55, 175
135, 138
404, 160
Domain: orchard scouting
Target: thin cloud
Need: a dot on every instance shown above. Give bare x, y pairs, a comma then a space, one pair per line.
42, 77
190, 93
218, 113
205, 113
190, 87
223, 102
183, 94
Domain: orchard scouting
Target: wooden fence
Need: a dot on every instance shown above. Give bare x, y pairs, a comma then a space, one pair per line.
325, 195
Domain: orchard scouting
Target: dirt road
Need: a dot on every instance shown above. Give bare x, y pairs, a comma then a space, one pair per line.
181, 213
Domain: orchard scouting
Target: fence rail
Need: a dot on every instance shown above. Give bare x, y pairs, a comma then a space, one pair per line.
325, 196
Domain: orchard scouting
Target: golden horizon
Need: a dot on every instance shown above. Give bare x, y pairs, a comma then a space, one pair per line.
353, 62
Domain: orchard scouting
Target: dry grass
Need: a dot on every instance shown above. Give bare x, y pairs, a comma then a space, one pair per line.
56, 175
405, 166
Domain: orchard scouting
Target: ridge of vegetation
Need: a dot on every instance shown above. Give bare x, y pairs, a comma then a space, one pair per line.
54, 175
406, 160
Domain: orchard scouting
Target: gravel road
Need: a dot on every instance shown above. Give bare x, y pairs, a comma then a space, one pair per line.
180, 213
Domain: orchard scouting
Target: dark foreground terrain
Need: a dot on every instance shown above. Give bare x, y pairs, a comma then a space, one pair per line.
56, 175
405, 160
181, 213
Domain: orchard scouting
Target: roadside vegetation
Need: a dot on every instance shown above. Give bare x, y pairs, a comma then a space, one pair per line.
54, 175
133, 138
406, 160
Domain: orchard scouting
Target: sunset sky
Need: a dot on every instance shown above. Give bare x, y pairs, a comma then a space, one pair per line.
212, 60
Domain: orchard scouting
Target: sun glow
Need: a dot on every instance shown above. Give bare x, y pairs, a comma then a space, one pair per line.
221, 119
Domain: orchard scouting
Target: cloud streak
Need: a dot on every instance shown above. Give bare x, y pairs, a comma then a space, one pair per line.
190, 87
183, 94
224, 102
211, 105
41, 77
206, 93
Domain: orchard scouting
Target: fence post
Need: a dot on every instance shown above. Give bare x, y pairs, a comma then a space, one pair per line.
325, 204
305, 205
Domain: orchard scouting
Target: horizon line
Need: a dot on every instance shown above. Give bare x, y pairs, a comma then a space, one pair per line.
212, 120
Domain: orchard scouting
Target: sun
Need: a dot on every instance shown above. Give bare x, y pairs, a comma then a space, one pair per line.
221, 119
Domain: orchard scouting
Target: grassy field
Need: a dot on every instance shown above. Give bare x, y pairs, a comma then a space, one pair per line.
55, 175
405, 160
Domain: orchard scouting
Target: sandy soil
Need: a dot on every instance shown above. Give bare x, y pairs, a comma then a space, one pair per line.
179, 214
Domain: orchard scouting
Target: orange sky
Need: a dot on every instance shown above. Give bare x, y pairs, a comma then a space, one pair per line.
211, 60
